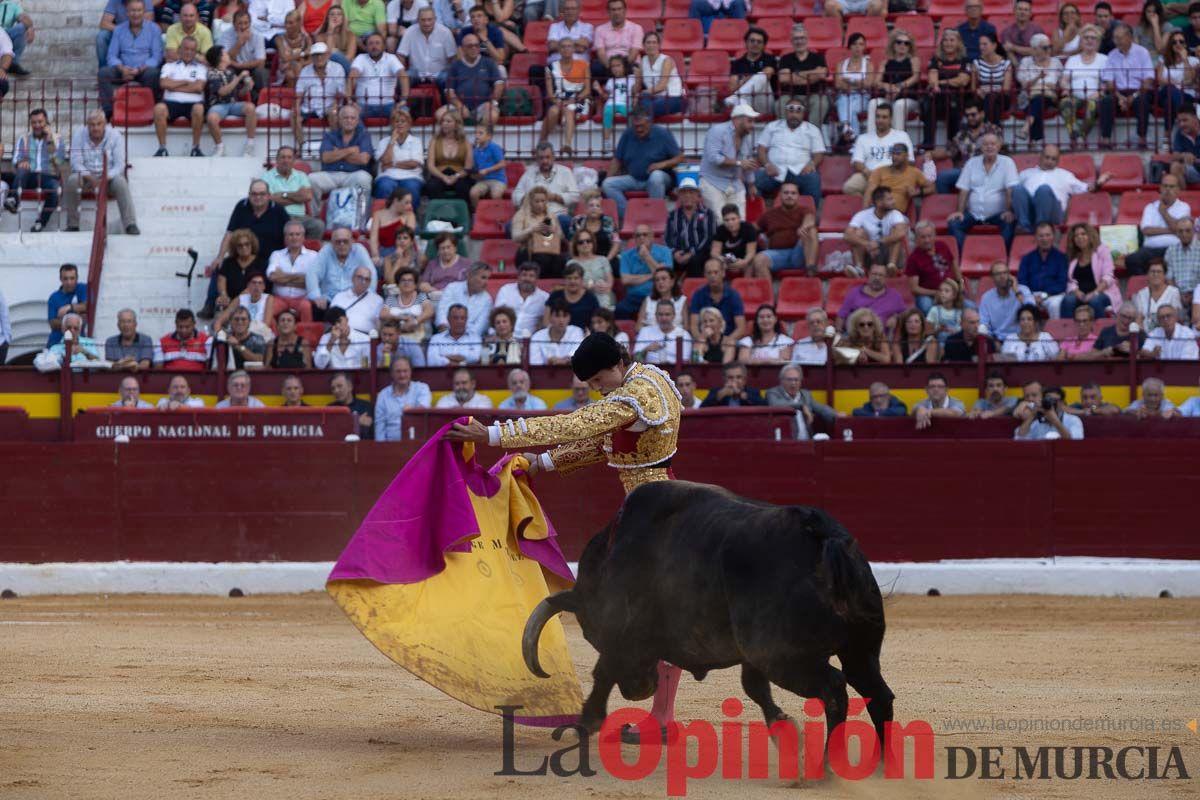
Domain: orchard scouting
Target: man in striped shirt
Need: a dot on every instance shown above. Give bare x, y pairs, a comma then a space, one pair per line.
690, 229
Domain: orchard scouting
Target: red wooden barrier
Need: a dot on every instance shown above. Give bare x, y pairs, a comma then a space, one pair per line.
904, 500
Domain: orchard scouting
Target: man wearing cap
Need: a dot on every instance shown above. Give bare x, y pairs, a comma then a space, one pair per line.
791, 151
905, 180
690, 229
634, 427
728, 159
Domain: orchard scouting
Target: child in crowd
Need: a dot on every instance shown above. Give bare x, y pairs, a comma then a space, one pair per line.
491, 180
945, 318
618, 91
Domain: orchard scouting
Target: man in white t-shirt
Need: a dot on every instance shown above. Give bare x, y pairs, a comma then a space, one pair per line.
361, 302
879, 234
182, 83
874, 149
1044, 191
556, 344
373, 77
525, 298
464, 394
985, 192
427, 49
656, 343
287, 269
1158, 220
791, 151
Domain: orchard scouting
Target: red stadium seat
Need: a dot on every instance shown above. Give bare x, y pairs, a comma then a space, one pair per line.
940, 9
952, 244
979, 252
1095, 209
874, 28
1081, 164
983, 285
797, 296
1026, 161
1127, 171
1131, 205
834, 172
513, 171
837, 210
637, 8
282, 97
629, 328
647, 210
828, 247
498, 279
779, 34
683, 34
1135, 284
1021, 244
537, 33
1060, 328
494, 251
133, 106
690, 285
710, 68
727, 35
920, 27
901, 285
310, 332
1192, 198
754, 291
490, 218
823, 33
772, 8
838, 289
676, 8
936, 207
518, 68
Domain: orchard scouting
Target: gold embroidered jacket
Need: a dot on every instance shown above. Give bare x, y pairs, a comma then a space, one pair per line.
635, 428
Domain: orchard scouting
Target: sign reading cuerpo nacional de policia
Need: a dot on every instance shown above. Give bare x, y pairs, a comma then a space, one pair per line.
329, 424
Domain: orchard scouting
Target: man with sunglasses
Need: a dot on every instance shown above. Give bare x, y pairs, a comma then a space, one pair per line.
791, 151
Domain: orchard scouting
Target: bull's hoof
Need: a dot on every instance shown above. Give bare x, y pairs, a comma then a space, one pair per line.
631, 735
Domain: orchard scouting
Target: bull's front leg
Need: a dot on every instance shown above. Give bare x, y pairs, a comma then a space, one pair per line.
595, 708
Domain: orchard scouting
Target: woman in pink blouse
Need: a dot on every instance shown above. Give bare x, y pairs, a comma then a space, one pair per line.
1090, 276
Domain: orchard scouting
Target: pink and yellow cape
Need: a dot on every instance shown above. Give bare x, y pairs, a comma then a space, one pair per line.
443, 573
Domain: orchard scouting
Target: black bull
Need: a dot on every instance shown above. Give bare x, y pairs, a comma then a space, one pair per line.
697, 576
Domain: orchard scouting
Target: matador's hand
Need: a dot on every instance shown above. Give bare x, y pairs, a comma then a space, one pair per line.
476, 432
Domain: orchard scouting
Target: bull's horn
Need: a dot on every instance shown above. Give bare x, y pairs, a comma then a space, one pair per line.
533, 629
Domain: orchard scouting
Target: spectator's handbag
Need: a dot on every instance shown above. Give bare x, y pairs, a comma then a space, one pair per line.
516, 102
344, 208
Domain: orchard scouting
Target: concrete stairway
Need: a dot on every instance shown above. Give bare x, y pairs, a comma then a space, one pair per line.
182, 203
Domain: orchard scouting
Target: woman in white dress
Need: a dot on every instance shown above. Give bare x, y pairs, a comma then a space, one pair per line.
1081, 85
1155, 293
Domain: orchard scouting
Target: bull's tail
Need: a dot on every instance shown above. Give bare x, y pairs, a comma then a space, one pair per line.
852, 586
561, 601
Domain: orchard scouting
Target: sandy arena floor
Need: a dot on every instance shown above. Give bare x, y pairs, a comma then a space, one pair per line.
279, 697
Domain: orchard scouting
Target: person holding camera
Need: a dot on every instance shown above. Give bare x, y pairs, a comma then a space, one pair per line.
1043, 415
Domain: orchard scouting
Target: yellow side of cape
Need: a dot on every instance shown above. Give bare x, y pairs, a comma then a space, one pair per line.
460, 630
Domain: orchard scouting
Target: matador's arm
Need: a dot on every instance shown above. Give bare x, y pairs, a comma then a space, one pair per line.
579, 435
